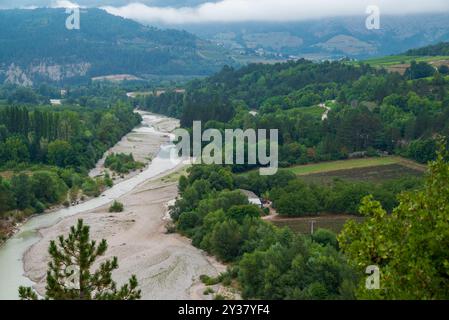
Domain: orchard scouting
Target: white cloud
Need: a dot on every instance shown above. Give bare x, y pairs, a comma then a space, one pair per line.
64, 4
271, 10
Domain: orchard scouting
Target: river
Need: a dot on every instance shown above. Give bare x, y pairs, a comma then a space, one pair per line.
11, 253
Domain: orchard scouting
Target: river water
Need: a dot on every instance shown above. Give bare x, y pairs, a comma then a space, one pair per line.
11, 253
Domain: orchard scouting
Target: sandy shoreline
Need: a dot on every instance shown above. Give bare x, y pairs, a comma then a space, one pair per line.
167, 266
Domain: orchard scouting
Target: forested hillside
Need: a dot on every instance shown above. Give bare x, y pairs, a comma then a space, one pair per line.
370, 108
440, 49
37, 47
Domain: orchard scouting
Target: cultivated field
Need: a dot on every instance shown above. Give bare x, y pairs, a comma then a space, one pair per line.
368, 174
401, 63
349, 164
302, 225
375, 170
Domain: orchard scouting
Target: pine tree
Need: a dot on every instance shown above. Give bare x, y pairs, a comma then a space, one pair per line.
69, 274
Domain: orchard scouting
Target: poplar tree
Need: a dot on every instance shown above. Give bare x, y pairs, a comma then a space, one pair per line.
69, 275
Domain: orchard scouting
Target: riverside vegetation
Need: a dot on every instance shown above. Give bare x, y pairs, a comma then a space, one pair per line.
46, 152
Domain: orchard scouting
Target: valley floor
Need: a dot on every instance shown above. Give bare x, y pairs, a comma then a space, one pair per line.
167, 266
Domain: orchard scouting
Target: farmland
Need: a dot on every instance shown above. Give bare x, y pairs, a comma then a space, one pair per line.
334, 223
402, 59
402, 62
340, 168
373, 170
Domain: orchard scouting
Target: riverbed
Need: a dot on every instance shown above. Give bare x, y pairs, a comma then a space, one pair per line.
166, 265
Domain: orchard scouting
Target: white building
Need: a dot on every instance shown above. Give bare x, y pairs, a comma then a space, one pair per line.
252, 198
55, 102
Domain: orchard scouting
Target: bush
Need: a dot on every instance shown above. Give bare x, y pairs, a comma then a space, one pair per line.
122, 163
108, 181
116, 207
325, 237
39, 207
90, 188
208, 291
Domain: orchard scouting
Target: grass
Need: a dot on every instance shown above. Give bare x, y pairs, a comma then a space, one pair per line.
342, 165
394, 60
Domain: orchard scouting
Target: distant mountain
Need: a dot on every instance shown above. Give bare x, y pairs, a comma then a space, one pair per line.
11, 4
36, 46
328, 38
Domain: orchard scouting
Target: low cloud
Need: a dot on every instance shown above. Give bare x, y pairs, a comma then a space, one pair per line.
64, 4
271, 10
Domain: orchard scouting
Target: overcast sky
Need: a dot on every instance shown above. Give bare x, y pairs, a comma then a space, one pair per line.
201, 11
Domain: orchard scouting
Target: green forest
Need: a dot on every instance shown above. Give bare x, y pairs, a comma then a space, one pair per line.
371, 110
404, 237
372, 113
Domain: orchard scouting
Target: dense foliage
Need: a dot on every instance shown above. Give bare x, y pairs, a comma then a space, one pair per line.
298, 198
410, 246
46, 152
66, 137
439, 49
268, 262
122, 163
371, 110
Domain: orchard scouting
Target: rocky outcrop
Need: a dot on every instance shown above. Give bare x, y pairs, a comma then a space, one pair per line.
26, 76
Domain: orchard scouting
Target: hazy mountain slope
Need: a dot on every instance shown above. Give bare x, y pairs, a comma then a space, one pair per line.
329, 37
97, 3
35, 45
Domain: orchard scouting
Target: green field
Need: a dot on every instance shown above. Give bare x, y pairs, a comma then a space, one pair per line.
401, 59
343, 165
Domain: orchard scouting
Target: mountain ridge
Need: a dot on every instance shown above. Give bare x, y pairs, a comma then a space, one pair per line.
37, 47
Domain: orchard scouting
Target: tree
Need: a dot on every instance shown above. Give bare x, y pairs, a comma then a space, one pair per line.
59, 153
116, 207
239, 213
21, 186
226, 240
14, 149
410, 246
69, 275
6, 196
444, 69
419, 70
48, 187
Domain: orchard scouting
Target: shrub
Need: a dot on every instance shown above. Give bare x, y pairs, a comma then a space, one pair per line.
208, 291
122, 163
116, 207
